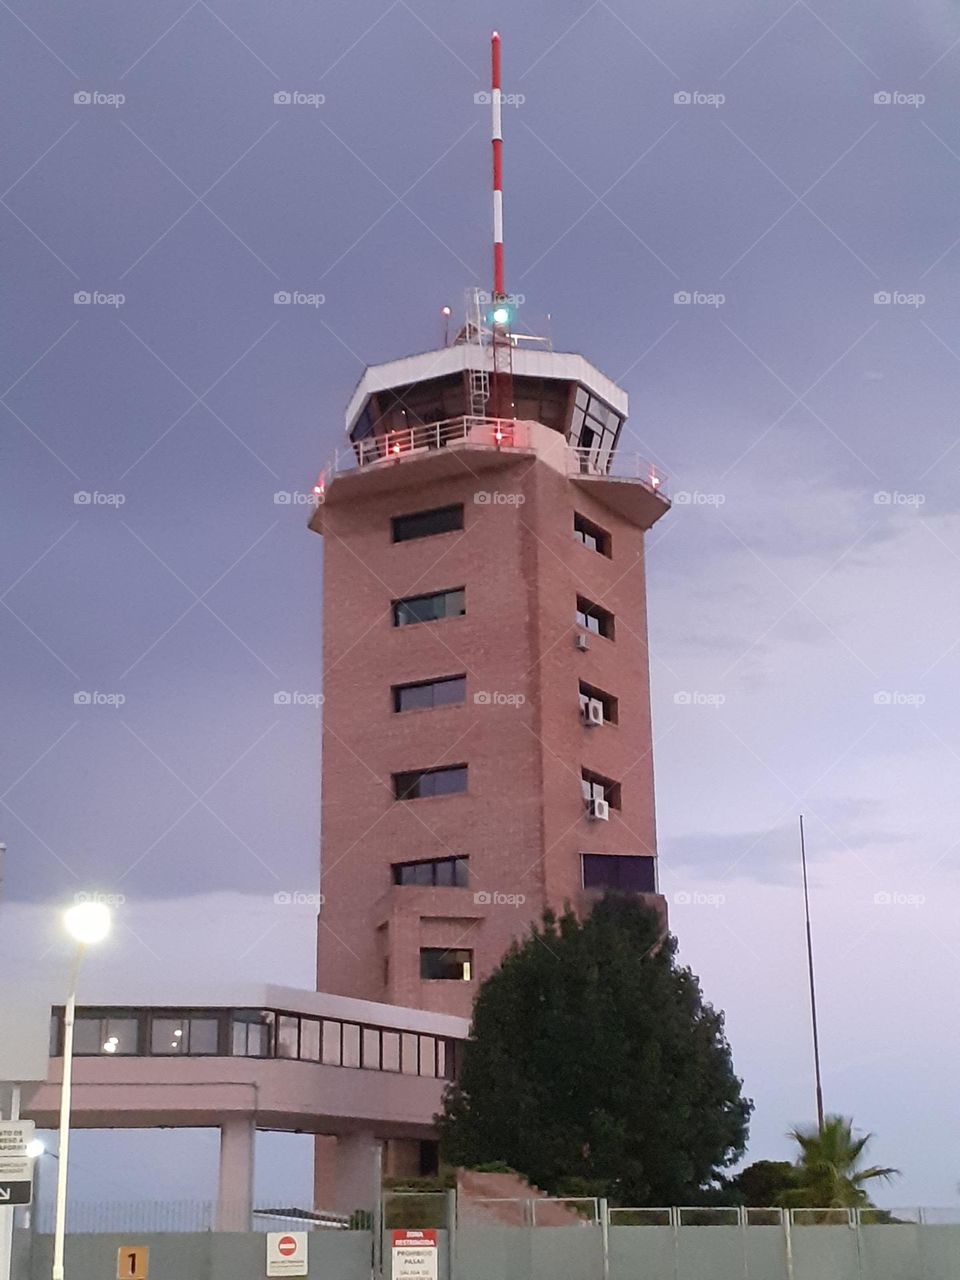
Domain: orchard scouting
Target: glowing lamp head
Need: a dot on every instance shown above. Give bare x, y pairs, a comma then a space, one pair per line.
88, 922
35, 1148
446, 311
501, 315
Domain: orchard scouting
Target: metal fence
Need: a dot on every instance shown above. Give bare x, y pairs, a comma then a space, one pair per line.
163, 1216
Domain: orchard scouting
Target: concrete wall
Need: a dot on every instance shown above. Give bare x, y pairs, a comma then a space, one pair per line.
881, 1252
202, 1256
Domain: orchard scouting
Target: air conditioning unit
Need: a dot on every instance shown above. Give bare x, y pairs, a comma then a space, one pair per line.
598, 810
591, 710
581, 641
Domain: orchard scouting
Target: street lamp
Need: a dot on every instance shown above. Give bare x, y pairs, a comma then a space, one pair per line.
87, 923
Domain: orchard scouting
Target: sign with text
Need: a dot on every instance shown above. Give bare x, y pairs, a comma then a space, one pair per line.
414, 1255
16, 1167
133, 1262
286, 1253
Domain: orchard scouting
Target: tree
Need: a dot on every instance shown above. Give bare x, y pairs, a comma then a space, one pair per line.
594, 1063
761, 1184
828, 1167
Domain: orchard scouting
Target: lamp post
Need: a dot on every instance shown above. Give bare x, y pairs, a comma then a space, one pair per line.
87, 923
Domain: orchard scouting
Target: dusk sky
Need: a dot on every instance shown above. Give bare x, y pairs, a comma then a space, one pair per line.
794, 169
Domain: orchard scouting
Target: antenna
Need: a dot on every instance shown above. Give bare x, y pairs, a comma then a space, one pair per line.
497, 135
500, 404
813, 989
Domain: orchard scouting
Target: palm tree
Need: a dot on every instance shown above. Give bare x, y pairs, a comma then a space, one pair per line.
828, 1167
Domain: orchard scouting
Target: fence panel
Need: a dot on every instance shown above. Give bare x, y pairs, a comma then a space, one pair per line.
825, 1252
646, 1251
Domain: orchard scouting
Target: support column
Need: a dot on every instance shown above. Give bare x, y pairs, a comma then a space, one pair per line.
7, 1212
235, 1191
357, 1164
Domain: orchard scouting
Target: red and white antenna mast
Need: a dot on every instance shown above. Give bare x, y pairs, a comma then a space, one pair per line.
497, 167
502, 388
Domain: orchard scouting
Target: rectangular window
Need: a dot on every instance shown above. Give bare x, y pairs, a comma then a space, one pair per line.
422, 784
391, 1050
594, 617
629, 873
422, 524
351, 1045
310, 1039
424, 695
592, 535
409, 1064
430, 608
437, 963
442, 872
371, 1048
610, 704
172, 1037
597, 787
594, 431
428, 1056
331, 1043
252, 1033
93, 1034
288, 1036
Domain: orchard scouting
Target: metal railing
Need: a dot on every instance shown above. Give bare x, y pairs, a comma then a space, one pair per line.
491, 433
618, 466
749, 1216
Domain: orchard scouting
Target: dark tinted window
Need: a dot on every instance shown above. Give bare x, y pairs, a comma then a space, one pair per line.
591, 535
424, 523
610, 704
430, 608
425, 694
594, 617
445, 872
597, 787
629, 873
420, 784
449, 966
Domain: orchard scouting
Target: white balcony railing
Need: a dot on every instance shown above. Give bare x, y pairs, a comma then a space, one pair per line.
491, 433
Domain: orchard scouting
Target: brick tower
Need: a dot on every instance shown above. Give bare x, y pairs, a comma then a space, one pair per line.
486, 721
